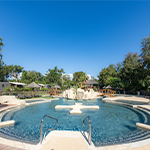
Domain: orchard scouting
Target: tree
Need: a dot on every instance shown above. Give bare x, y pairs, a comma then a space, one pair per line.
16, 70
79, 77
145, 52
31, 76
114, 82
132, 72
1, 44
3, 71
66, 80
106, 73
53, 76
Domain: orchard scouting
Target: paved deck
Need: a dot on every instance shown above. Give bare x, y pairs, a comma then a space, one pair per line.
147, 107
129, 98
3, 106
72, 140
65, 140
146, 147
6, 147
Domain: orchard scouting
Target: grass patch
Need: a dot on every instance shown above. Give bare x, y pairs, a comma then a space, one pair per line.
39, 98
43, 97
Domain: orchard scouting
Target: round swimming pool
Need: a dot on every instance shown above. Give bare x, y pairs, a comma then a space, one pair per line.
111, 124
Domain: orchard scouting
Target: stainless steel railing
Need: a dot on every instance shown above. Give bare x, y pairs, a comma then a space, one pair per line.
86, 130
47, 129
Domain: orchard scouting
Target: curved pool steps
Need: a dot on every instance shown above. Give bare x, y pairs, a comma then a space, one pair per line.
7, 123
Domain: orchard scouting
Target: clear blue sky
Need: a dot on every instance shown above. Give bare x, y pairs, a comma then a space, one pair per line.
73, 35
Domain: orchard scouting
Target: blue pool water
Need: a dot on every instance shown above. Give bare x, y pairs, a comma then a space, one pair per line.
111, 124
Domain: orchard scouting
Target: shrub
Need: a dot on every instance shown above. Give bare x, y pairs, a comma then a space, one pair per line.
43, 89
8, 89
16, 89
27, 89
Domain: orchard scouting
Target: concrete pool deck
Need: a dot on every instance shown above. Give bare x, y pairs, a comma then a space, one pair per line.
128, 98
70, 140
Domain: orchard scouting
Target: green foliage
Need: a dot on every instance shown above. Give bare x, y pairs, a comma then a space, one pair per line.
129, 75
145, 52
22, 89
16, 89
3, 71
1, 44
79, 77
114, 82
132, 73
53, 76
31, 76
8, 89
26, 89
44, 89
106, 73
36, 81
16, 70
75, 87
66, 82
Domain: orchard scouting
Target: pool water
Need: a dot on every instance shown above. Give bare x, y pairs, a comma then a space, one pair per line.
111, 124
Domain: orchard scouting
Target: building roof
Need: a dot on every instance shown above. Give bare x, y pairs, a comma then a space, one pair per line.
42, 85
108, 87
17, 83
91, 82
56, 87
33, 85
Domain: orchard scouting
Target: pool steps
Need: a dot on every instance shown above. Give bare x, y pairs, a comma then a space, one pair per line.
7, 123
66, 140
141, 125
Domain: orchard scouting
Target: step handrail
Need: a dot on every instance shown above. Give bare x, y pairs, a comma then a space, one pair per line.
47, 129
89, 134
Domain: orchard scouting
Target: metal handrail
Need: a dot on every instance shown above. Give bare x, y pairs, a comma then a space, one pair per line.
89, 134
47, 129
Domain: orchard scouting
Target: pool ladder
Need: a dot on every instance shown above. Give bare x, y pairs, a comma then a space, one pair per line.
47, 129
85, 130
